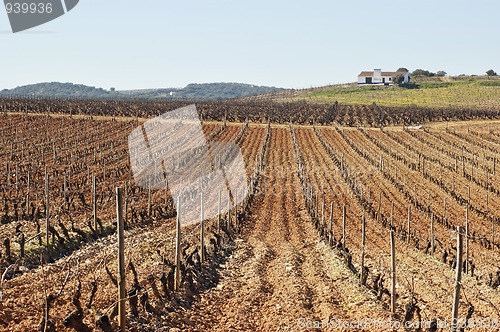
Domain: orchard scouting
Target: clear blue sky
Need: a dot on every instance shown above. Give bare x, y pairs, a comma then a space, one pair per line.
162, 43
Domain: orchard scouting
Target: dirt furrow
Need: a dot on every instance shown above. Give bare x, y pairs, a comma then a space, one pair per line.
281, 275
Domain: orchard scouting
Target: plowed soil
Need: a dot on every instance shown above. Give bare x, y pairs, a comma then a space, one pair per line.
276, 273
281, 275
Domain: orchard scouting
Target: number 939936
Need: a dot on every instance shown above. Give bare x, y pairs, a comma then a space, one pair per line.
28, 7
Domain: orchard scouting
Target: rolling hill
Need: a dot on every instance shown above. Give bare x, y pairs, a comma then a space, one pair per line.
472, 92
203, 91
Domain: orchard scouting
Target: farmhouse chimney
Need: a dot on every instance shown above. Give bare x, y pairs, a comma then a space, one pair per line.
377, 74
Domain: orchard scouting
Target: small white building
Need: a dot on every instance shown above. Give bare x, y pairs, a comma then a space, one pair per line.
377, 76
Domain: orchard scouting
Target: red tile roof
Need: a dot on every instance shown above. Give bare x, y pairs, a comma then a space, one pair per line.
366, 73
384, 73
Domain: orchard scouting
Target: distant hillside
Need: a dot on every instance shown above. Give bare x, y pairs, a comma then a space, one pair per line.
203, 91
223, 90
58, 90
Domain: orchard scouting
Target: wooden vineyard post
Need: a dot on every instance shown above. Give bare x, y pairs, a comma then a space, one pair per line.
236, 221
219, 213
486, 174
323, 212
441, 174
458, 278
363, 239
178, 246
17, 178
166, 191
250, 184
47, 212
492, 221
22, 242
94, 201
125, 213
65, 188
343, 227
492, 230
202, 230
408, 226
330, 234
121, 262
487, 201
28, 194
463, 163
393, 274
432, 234
467, 238
228, 211
468, 194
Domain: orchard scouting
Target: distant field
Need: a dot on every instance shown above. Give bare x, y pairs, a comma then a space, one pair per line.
473, 92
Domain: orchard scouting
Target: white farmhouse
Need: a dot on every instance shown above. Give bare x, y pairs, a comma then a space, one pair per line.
377, 76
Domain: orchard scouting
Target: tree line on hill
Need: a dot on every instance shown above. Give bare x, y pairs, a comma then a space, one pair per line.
400, 73
440, 73
204, 91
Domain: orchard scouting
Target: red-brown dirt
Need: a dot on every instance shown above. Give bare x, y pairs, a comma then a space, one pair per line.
276, 273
